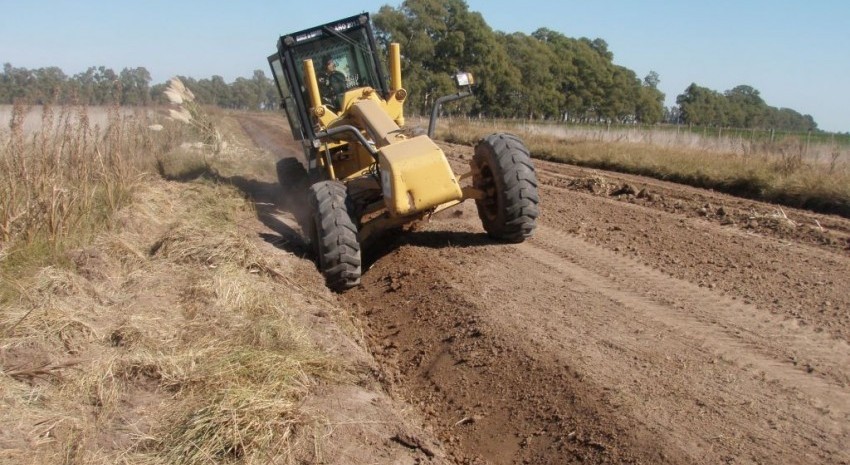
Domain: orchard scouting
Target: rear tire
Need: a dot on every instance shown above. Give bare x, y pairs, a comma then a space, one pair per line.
291, 174
505, 173
334, 235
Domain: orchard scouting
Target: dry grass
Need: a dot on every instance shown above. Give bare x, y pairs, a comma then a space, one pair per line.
778, 172
187, 353
188, 111
64, 181
168, 337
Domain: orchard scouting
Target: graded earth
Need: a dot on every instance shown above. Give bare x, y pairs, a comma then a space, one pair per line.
644, 322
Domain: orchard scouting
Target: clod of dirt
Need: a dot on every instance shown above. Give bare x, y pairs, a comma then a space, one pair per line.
780, 224
124, 336
626, 189
594, 184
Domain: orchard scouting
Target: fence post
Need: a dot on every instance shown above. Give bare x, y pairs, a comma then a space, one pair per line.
808, 136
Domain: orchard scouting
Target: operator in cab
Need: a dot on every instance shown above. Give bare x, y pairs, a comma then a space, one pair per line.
331, 82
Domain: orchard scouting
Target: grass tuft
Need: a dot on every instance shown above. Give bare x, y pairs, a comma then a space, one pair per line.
240, 401
187, 111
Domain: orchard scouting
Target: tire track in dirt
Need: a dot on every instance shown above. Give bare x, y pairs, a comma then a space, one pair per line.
733, 326
595, 342
705, 328
785, 275
638, 353
489, 399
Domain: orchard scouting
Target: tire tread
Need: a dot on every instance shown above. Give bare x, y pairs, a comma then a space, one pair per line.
337, 248
510, 163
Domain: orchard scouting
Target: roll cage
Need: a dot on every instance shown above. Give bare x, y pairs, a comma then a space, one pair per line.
349, 42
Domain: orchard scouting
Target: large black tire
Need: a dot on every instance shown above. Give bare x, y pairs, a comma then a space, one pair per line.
334, 235
505, 173
291, 174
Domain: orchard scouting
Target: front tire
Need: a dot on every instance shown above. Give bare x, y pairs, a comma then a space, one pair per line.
334, 235
506, 175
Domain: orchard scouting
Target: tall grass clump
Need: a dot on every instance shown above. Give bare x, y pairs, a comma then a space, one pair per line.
195, 159
66, 178
788, 171
241, 402
188, 111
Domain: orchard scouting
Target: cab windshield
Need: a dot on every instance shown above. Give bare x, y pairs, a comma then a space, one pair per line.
342, 61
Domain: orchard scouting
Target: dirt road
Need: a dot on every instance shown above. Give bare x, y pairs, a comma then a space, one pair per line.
645, 322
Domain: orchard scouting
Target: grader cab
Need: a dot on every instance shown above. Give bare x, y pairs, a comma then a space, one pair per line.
366, 175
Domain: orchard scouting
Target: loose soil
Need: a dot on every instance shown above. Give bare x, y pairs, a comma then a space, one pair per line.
645, 322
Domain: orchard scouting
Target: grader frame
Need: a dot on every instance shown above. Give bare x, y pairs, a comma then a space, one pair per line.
365, 173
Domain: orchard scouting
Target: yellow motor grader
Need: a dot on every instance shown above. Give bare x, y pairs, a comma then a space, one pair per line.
366, 174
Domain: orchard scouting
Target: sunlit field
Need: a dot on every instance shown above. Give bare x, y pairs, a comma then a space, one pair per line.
792, 170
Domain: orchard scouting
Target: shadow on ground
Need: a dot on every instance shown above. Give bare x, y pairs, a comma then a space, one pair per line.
393, 240
274, 204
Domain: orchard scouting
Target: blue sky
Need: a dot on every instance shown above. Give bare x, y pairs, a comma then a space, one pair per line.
796, 53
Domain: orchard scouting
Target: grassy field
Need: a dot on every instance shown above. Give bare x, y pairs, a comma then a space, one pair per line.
139, 321
790, 172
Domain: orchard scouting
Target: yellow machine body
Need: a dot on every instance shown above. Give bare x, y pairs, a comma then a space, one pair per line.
366, 173
415, 177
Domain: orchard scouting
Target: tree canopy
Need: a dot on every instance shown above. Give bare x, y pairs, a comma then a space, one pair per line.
740, 107
132, 86
542, 75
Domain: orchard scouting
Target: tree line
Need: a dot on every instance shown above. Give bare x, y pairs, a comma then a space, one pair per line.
544, 75
99, 85
547, 75
740, 107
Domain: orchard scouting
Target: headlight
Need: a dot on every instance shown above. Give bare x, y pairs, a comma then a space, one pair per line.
464, 79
